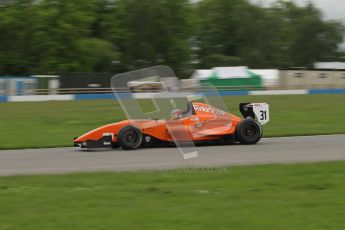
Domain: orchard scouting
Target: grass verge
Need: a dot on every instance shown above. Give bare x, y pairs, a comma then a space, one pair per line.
54, 124
301, 196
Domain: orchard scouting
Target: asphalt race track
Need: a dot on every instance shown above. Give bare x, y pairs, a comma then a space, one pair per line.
269, 150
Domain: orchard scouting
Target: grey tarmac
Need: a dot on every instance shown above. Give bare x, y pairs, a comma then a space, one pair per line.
282, 150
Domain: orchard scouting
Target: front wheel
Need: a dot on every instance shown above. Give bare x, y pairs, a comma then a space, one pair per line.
249, 131
129, 138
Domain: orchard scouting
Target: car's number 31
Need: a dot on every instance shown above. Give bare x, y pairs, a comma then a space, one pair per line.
261, 111
263, 115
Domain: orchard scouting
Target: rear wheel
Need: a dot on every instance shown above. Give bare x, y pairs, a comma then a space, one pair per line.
249, 131
129, 138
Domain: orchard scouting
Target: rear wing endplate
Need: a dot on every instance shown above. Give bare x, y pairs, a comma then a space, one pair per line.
259, 111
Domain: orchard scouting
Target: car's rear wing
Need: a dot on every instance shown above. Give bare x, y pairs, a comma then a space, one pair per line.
259, 111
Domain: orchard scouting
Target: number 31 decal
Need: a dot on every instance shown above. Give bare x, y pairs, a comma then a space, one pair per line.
263, 115
261, 111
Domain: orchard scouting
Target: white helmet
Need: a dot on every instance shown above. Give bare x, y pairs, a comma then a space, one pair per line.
176, 114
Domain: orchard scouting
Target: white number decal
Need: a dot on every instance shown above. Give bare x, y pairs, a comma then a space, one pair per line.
261, 111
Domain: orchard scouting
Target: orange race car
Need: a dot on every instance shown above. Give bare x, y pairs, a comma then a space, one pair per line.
200, 122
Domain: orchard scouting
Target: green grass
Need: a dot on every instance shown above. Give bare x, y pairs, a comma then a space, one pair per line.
302, 196
53, 124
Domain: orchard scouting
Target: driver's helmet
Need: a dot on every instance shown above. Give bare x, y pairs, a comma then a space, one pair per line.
176, 114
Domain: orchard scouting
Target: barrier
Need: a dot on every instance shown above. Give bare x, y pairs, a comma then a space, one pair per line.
3, 99
233, 93
70, 97
327, 91
279, 92
79, 97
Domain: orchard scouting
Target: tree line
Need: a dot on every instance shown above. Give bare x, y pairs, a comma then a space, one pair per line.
53, 36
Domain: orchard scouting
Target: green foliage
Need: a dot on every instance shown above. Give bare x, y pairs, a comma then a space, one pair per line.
153, 32
50, 36
221, 60
304, 37
96, 54
284, 35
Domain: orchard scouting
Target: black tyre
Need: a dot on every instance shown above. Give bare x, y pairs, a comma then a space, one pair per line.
248, 131
129, 138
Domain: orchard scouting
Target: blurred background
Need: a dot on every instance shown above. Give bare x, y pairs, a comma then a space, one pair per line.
63, 46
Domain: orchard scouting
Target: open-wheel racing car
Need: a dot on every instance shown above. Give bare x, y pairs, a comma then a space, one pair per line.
199, 123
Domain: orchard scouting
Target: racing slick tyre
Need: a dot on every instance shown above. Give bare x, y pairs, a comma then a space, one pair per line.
249, 131
129, 138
